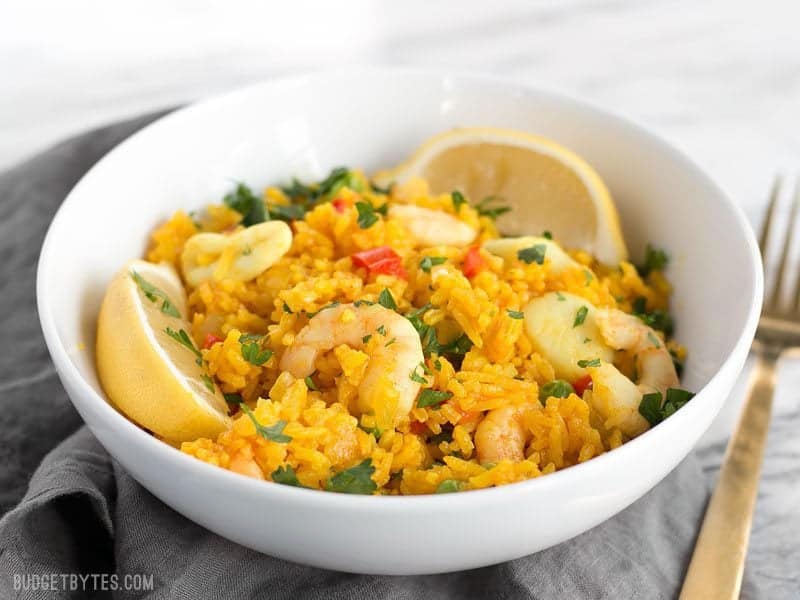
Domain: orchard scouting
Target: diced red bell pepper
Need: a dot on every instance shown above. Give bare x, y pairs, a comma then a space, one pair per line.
582, 384
418, 428
381, 260
210, 340
473, 262
340, 204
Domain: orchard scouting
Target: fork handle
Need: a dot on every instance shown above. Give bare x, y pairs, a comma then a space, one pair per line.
715, 571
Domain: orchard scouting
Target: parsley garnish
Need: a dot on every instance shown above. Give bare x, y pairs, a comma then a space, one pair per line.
381, 190
657, 319
355, 480
651, 408
533, 254
366, 215
560, 297
286, 476
286, 308
282, 212
366, 338
654, 260
448, 486
653, 339
580, 316
390, 342
515, 314
233, 398
250, 337
458, 199
310, 384
431, 261
430, 397
273, 433
414, 376
386, 300
381, 329
184, 340
547, 235
253, 354
336, 180
558, 388
595, 362
154, 294
485, 208
437, 364
246, 203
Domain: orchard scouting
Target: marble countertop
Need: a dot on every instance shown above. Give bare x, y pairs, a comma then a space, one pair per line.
719, 79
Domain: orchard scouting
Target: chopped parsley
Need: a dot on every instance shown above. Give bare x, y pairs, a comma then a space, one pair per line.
652, 409
485, 208
366, 338
381, 329
587, 277
286, 308
250, 337
366, 214
458, 200
252, 353
355, 480
653, 339
595, 362
654, 260
282, 212
337, 179
273, 433
437, 364
547, 235
390, 342
386, 300
560, 297
580, 316
558, 388
431, 261
658, 319
414, 376
246, 203
430, 397
381, 190
183, 339
448, 486
310, 384
515, 314
154, 294
286, 476
533, 254
233, 398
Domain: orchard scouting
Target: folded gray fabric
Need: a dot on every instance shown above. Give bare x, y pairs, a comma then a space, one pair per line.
85, 527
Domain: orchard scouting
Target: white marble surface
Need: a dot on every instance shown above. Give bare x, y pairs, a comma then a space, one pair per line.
719, 79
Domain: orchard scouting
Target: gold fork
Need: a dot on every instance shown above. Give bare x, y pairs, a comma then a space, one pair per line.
717, 565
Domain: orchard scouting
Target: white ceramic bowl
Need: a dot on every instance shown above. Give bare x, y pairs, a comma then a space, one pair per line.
372, 118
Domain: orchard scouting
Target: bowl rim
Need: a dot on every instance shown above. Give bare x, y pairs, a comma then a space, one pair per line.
311, 497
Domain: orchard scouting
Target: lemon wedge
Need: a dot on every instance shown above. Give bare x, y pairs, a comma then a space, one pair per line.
549, 187
148, 364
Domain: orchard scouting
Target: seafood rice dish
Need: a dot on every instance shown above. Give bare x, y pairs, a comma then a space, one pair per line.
354, 338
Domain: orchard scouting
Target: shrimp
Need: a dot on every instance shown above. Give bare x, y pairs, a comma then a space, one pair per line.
433, 227
396, 352
501, 436
246, 466
654, 363
615, 397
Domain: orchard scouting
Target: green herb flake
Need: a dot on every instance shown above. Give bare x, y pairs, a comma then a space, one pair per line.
588, 277
386, 300
458, 200
653, 339
253, 354
246, 203
233, 398
437, 364
430, 397
310, 384
595, 362
250, 337
273, 433
580, 316
366, 338
560, 296
431, 261
547, 235
448, 486
654, 260
355, 480
515, 314
533, 254
286, 308
558, 388
381, 329
390, 342
282, 212
414, 376
184, 340
154, 294
286, 476
366, 215
486, 208
652, 409
385, 191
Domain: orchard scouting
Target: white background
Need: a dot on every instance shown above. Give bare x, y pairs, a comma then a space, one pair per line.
719, 79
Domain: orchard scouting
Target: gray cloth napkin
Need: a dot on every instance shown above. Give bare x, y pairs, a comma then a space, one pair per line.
79, 512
